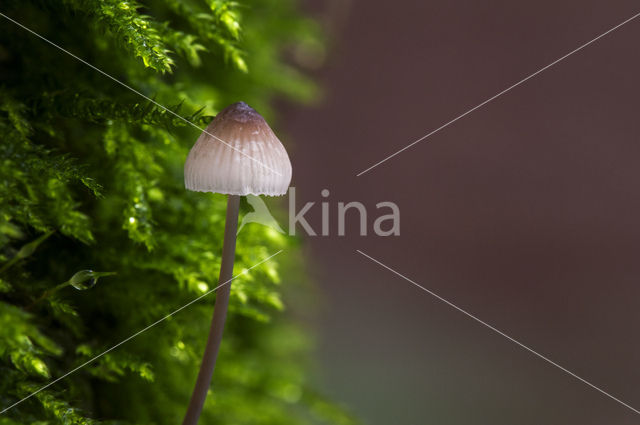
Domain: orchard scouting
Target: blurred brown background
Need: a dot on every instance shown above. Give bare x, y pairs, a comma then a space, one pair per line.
525, 212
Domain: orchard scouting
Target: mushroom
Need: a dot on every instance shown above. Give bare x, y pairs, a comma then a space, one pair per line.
238, 154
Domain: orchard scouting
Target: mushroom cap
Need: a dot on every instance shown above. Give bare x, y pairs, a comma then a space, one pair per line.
238, 154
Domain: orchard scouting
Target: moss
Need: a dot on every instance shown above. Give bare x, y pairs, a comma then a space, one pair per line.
91, 179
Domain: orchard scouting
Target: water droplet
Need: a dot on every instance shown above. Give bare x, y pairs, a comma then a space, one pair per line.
86, 279
82, 280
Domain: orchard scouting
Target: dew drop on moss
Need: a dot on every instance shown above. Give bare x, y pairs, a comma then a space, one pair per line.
84, 279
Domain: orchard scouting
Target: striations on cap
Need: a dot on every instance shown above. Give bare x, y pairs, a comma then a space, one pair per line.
238, 154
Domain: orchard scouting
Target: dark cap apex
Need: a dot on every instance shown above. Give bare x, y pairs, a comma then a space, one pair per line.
240, 112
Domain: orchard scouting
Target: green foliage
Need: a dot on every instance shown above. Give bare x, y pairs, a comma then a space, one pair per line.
136, 32
91, 179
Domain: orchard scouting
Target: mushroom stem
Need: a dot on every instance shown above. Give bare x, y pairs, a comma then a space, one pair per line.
219, 314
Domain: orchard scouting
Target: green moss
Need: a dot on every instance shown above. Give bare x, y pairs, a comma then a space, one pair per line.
91, 179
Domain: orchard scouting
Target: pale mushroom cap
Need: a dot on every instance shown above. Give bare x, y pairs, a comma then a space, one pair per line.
238, 154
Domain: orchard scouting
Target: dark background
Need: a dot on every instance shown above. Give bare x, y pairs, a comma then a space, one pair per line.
525, 213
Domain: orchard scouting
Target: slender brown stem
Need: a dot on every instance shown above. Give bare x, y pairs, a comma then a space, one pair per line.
219, 315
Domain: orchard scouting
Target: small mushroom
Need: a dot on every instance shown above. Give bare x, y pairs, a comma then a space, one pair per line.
238, 154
